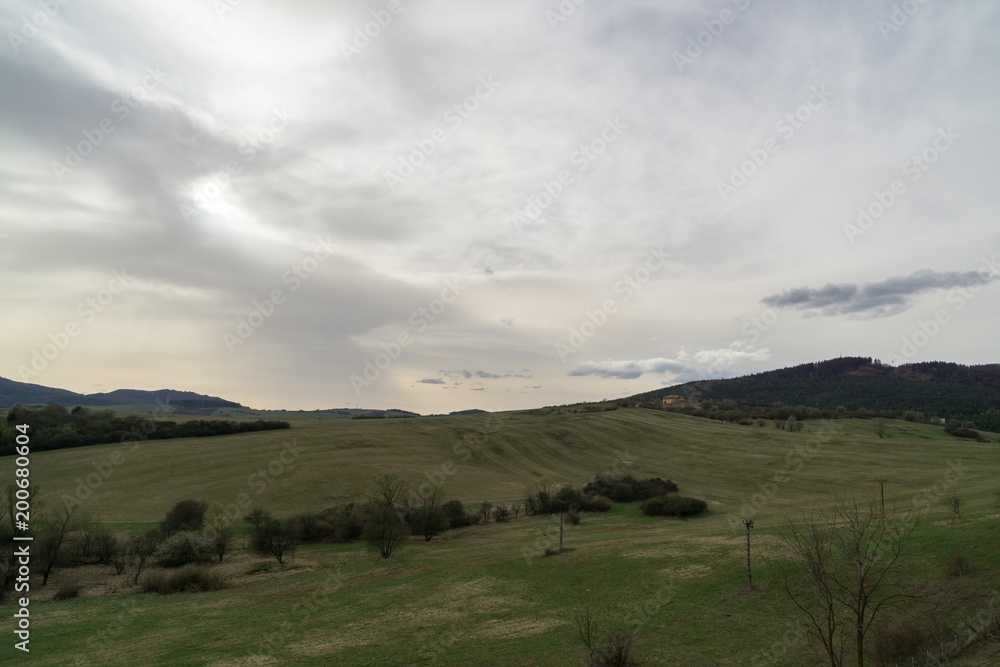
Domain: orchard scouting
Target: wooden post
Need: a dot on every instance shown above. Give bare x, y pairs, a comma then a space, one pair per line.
749, 524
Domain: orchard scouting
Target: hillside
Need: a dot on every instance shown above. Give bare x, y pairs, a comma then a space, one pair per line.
936, 389
13, 392
473, 596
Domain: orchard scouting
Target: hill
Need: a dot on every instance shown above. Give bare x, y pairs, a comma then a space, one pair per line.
936, 389
13, 393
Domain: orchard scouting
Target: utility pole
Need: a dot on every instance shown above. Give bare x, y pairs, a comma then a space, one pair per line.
561, 513
881, 484
749, 524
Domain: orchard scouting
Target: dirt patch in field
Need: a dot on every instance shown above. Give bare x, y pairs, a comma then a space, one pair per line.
514, 627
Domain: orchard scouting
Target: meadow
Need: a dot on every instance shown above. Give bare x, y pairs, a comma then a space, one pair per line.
484, 595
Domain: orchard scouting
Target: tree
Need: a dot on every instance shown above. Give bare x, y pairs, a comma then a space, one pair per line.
221, 529
384, 530
428, 521
277, 538
880, 428
851, 554
54, 534
141, 549
388, 489
185, 515
484, 510
955, 502
455, 512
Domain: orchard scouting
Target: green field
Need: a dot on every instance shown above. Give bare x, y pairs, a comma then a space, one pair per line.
480, 595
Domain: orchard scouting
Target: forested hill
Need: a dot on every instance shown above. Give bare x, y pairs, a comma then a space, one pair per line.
935, 388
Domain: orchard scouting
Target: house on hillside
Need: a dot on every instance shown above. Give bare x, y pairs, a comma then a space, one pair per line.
672, 399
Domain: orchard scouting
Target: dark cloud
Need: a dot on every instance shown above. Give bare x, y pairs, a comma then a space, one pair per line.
629, 370
430, 381
878, 299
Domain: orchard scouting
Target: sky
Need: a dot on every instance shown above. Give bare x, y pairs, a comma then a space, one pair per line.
437, 206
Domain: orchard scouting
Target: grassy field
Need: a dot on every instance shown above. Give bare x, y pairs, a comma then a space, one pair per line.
482, 595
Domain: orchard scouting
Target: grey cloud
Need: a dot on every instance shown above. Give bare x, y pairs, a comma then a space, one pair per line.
878, 299
430, 381
629, 370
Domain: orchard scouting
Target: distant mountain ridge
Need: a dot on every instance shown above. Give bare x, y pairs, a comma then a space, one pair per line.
13, 392
935, 388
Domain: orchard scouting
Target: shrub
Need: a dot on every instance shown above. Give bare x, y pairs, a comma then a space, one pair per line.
384, 530
673, 505
345, 523
427, 521
455, 512
959, 565
894, 644
626, 488
188, 579
184, 548
68, 591
185, 515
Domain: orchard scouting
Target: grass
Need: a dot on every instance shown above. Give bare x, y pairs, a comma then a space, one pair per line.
472, 596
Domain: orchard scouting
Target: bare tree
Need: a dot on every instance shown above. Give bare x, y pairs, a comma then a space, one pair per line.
278, 538
851, 554
954, 503
54, 535
141, 549
388, 489
881, 430
384, 530
220, 524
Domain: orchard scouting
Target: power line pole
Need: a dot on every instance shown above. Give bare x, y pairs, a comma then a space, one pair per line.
881, 484
749, 524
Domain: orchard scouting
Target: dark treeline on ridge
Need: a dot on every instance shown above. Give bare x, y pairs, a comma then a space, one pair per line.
848, 387
55, 427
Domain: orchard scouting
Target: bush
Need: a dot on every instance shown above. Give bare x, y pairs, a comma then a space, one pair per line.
68, 591
626, 488
188, 579
184, 548
959, 565
427, 521
674, 505
455, 512
894, 644
185, 515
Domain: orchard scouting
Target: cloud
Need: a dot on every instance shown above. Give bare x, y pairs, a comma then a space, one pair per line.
430, 381
870, 300
483, 375
629, 370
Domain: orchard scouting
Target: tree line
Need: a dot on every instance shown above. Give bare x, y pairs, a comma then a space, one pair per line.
55, 427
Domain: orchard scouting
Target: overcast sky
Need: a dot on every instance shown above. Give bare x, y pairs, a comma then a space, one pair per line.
445, 205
